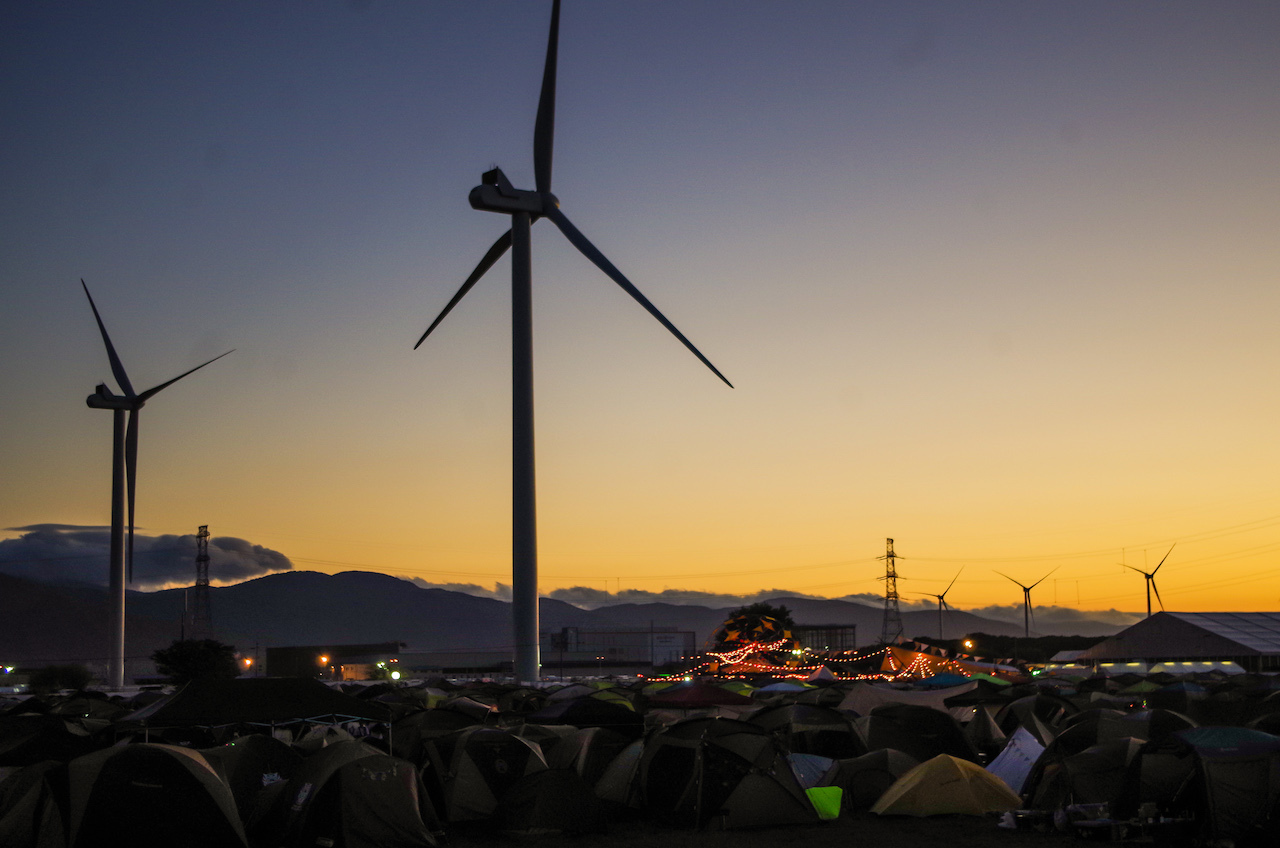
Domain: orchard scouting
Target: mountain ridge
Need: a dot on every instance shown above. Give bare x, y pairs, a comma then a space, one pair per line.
46, 623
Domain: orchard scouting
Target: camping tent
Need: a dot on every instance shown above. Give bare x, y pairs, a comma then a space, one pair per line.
947, 785
724, 772
149, 795
351, 794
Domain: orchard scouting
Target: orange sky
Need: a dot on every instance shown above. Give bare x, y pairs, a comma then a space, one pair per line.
1002, 287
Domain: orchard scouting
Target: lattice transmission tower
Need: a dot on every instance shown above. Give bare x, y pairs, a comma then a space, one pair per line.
891, 630
201, 615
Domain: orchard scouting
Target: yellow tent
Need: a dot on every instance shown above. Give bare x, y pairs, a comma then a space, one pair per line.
947, 785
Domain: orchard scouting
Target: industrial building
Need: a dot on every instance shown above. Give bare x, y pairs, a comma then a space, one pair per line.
1190, 640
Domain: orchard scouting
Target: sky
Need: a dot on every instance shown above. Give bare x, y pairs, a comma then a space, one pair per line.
996, 280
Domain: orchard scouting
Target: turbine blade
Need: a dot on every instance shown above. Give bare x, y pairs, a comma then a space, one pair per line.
155, 390
544, 128
131, 484
1131, 568
1042, 579
953, 582
578, 240
117, 368
491, 256
1166, 556
1007, 577
1157, 588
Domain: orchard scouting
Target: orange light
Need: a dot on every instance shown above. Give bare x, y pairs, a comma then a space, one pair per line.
324, 660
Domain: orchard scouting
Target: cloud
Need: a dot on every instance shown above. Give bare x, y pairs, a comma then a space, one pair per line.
1055, 615
68, 553
499, 592
589, 598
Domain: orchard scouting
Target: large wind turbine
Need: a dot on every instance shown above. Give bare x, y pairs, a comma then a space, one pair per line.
1026, 599
1151, 579
124, 475
497, 194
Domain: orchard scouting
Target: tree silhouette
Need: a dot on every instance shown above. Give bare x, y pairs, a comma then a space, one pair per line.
197, 659
780, 613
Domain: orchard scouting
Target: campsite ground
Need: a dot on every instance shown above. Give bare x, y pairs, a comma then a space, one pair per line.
864, 829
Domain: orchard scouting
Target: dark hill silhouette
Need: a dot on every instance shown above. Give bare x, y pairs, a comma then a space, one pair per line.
42, 623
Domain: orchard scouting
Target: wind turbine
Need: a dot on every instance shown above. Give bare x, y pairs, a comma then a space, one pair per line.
496, 194
942, 599
124, 475
1026, 599
1151, 579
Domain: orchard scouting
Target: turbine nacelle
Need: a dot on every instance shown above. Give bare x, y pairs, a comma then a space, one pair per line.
104, 398
496, 194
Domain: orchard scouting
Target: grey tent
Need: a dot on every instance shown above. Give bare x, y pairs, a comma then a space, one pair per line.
864, 779
353, 795
721, 772
149, 795
248, 764
474, 768
1236, 785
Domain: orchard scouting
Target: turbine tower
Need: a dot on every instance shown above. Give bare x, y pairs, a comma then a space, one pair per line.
1151, 579
1026, 599
124, 475
496, 194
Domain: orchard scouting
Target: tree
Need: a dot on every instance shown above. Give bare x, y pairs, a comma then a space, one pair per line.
197, 659
780, 613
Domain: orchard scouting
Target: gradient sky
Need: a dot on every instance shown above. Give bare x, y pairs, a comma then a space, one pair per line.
998, 280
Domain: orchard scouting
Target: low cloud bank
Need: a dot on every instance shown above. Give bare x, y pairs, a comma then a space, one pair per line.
499, 592
69, 553
1056, 615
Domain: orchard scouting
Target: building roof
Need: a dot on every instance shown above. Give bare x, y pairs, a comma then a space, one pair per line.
1193, 636
1257, 630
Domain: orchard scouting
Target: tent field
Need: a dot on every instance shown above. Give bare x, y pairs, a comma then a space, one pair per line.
278, 763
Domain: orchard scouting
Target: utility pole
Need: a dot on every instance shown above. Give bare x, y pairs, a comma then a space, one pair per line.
201, 617
891, 630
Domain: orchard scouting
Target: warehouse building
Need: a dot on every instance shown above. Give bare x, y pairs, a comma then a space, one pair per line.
1251, 640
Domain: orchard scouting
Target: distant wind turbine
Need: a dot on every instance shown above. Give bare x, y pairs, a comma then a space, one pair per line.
497, 194
1026, 599
1151, 579
942, 600
124, 474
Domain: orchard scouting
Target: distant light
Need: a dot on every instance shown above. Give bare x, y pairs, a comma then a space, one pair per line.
248, 661
324, 660
395, 675
9, 669
968, 643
